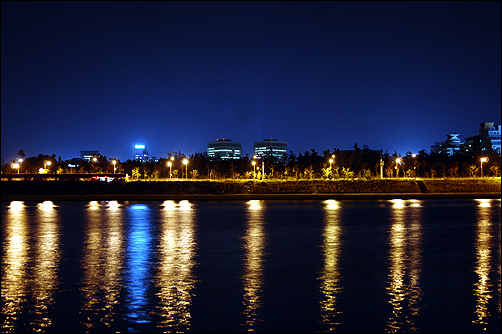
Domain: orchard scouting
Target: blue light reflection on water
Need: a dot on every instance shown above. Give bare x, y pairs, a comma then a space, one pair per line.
394, 266
138, 262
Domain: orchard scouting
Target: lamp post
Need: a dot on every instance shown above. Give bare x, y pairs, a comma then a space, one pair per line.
185, 162
398, 161
114, 162
254, 169
93, 166
46, 163
15, 166
483, 160
19, 163
263, 168
414, 165
169, 163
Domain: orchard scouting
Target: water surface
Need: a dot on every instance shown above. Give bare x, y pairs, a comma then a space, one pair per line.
265, 266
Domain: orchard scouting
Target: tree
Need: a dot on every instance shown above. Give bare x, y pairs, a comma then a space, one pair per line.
21, 153
327, 173
495, 170
135, 173
472, 170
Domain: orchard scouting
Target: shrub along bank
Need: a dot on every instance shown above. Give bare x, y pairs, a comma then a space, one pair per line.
249, 187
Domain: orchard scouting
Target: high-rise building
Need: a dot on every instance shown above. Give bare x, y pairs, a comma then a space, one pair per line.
224, 149
488, 138
270, 148
450, 146
140, 153
87, 155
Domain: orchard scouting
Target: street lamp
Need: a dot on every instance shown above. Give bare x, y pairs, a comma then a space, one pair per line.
169, 163
93, 166
185, 162
46, 163
114, 162
254, 167
19, 163
263, 169
15, 166
483, 160
414, 165
398, 161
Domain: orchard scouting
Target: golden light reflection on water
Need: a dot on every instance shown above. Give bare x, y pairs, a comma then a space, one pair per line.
175, 280
483, 288
48, 253
102, 263
252, 277
14, 270
330, 276
405, 265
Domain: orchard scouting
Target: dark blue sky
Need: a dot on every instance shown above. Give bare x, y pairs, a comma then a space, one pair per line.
396, 76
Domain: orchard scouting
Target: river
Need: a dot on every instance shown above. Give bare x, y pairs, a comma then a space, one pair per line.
264, 266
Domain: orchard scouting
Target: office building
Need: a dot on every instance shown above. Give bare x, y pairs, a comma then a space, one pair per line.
87, 155
270, 148
224, 149
450, 146
488, 138
140, 153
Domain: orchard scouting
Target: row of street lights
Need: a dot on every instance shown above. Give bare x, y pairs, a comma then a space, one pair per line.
170, 164
185, 162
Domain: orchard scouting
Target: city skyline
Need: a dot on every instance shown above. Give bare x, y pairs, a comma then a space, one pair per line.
175, 75
144, 146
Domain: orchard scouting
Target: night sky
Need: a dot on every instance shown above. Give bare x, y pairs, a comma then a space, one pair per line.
396, 76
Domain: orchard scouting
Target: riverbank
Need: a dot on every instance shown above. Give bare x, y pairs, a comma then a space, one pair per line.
248, 190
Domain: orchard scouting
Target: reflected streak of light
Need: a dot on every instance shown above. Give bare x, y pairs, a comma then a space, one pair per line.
484, 202
332, 204
482, 288
102, 264
139, 237
404, 266
16, 205
91, 263
169, 205
46, 205
14, 271
48, 254
185, 205
397, 203
330, 275
113, 205
252, 277
254, 204
114, 261
93, 205
175, 280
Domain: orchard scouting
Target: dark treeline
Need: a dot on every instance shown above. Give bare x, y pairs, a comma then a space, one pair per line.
348, 164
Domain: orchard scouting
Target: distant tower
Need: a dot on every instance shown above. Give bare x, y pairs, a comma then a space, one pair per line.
140, 153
